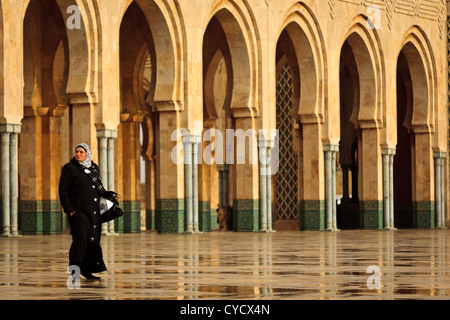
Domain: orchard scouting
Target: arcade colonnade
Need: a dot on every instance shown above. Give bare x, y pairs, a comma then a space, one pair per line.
300, 115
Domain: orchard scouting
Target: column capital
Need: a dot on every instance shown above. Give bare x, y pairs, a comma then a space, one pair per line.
223, 167
388, 151
191, 138
265, 143
331, 147
439, 154
107, 133
10, 128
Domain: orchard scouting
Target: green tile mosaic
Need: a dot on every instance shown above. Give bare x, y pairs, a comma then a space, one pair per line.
204, 218
424, 215
311, 215
371, 215
130, 222
169, 216
246, 215
40, 217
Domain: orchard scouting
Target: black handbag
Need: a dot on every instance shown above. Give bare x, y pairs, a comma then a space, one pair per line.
109, 207
113, 213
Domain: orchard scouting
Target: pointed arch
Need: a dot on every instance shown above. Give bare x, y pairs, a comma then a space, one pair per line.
238, 28
419, 56
366, 47
164, 23
304, 30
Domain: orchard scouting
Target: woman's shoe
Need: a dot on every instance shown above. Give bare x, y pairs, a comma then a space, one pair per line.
89, 276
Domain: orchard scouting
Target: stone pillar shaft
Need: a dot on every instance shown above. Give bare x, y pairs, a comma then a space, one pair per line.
388, 188
191, 144
263, 185
6, 208
330, 186
106, 161
439, 189
13, 187
110, 177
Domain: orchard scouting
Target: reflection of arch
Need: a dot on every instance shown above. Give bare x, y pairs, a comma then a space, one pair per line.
302, 27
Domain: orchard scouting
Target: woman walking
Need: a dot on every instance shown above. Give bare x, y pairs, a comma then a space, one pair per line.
80, 189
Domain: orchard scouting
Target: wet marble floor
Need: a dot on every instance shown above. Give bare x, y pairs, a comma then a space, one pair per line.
351, 264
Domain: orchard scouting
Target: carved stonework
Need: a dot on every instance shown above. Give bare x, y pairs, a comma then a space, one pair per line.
331, 5
390, 4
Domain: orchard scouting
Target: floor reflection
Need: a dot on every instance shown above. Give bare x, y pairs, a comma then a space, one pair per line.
412, 264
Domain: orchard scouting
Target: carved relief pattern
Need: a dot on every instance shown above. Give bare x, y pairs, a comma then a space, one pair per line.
331, 5
427, 9
390, 4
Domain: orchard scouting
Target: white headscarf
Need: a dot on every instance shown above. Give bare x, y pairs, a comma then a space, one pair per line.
87, 162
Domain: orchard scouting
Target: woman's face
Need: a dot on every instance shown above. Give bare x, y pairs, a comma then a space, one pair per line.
80, 154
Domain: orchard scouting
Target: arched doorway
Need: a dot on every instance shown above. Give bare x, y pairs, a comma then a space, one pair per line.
138, 123
360, 114
46, 124
403, 204
413, 175
217, 91
226, 95
347, 167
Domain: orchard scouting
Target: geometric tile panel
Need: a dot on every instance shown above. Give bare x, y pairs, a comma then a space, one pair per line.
287, 175
169, 215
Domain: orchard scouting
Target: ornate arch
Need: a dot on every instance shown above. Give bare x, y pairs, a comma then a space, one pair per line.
304, 31
239, 31
419, 56
164, 23
368, 53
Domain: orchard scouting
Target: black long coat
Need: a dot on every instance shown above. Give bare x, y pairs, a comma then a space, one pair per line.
78, 194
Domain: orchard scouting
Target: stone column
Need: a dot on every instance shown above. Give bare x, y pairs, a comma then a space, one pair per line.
110, 174
263, 168
196, 143
106, 164
6, 208
439, 188
388, 185
9, 180
13, 181
269, 215
223, 170
333, 185
225, 177
330, 186
391, 189
188, 182
103, 164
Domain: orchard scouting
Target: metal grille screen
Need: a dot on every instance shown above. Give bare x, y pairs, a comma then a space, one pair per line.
286, 178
